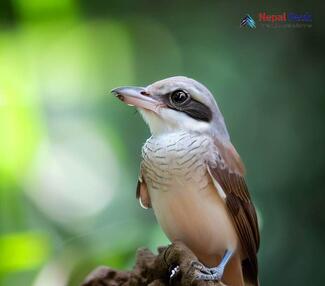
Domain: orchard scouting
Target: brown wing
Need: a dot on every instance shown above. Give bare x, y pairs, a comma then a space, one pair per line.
142, 194
228, 171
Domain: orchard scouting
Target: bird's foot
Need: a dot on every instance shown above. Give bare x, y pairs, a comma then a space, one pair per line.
200, 267
209, 277
214, 273
206, 273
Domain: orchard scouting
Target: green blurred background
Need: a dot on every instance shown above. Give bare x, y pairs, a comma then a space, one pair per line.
70, 152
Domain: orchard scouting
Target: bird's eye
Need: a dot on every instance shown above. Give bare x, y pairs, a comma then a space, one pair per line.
179, 97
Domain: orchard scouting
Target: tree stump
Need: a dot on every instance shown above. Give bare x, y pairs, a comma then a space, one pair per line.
153, 270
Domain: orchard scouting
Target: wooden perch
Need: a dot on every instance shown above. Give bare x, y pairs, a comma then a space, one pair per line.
153, 270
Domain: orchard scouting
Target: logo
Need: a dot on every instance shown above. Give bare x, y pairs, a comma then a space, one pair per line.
279, 20
263, 17
248, 21
285, 17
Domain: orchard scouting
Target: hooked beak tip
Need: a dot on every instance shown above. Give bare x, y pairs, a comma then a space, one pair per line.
115, 92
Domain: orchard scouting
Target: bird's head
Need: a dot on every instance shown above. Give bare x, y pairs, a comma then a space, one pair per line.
176, 104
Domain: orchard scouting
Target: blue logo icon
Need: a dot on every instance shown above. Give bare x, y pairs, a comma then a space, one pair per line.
248, 21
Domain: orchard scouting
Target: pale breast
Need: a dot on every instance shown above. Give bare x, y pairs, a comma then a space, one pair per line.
184, 199
174, 159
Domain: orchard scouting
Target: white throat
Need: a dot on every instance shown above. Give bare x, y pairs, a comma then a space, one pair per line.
170, 121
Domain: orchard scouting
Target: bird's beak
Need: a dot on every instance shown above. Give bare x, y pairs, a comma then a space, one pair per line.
136, 96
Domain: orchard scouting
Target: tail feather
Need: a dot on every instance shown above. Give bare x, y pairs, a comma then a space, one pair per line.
250, 276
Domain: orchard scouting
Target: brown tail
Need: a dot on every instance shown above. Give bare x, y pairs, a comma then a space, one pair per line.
249, 274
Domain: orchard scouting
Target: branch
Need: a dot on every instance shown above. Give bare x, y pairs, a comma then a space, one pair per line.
152, 270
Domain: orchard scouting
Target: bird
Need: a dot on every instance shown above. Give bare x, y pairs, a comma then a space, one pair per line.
193, 178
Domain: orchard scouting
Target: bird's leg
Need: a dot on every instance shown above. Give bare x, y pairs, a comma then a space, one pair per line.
214, 273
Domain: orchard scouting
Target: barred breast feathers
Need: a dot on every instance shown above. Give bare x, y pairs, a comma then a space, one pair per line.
176, 156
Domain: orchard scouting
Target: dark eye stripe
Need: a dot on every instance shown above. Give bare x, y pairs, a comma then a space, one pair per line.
197, 110
193, 108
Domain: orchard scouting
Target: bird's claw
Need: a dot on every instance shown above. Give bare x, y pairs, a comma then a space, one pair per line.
199, 266
208, 277
206, 273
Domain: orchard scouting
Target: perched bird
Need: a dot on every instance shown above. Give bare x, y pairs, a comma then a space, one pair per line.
193, 178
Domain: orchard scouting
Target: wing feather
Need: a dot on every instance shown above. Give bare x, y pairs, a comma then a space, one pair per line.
228, 171
142, 194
